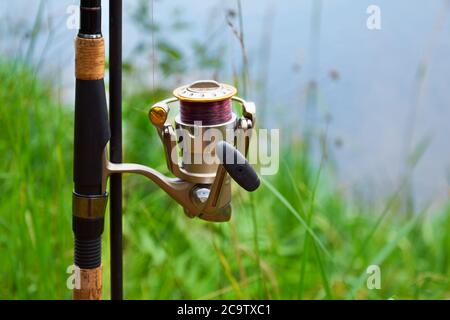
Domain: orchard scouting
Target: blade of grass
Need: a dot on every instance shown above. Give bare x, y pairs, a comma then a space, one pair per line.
418, 153
306, 239
323, 274
227, 269
297, 215
216, 294
296, 189
34, 31
261, 282
388, 249
245, 68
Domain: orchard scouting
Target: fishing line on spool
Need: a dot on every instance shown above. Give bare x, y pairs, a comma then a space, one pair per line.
209, 113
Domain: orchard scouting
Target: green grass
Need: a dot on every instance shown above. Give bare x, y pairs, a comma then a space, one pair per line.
297, 237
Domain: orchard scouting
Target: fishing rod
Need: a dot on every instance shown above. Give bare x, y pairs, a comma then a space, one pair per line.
115, 114
202, 150
91, 136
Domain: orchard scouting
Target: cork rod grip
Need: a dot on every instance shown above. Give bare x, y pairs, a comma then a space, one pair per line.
90, 282
90, 58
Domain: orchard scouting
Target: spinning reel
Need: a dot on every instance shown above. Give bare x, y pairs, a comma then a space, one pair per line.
206, 120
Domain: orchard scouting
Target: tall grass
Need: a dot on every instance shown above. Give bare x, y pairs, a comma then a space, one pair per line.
35, 173
297, 237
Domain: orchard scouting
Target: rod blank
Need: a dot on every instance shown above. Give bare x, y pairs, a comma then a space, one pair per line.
115, 115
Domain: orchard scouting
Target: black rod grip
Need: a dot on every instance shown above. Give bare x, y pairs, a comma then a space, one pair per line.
92, 133
237, 166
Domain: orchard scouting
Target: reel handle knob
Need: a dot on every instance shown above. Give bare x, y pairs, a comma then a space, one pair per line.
237, 166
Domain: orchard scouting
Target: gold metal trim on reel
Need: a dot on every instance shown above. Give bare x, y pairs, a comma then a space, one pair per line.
205, 91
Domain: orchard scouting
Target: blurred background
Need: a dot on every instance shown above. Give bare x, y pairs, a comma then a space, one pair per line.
365, 164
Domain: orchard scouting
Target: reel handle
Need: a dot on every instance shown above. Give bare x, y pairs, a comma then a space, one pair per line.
237, 166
